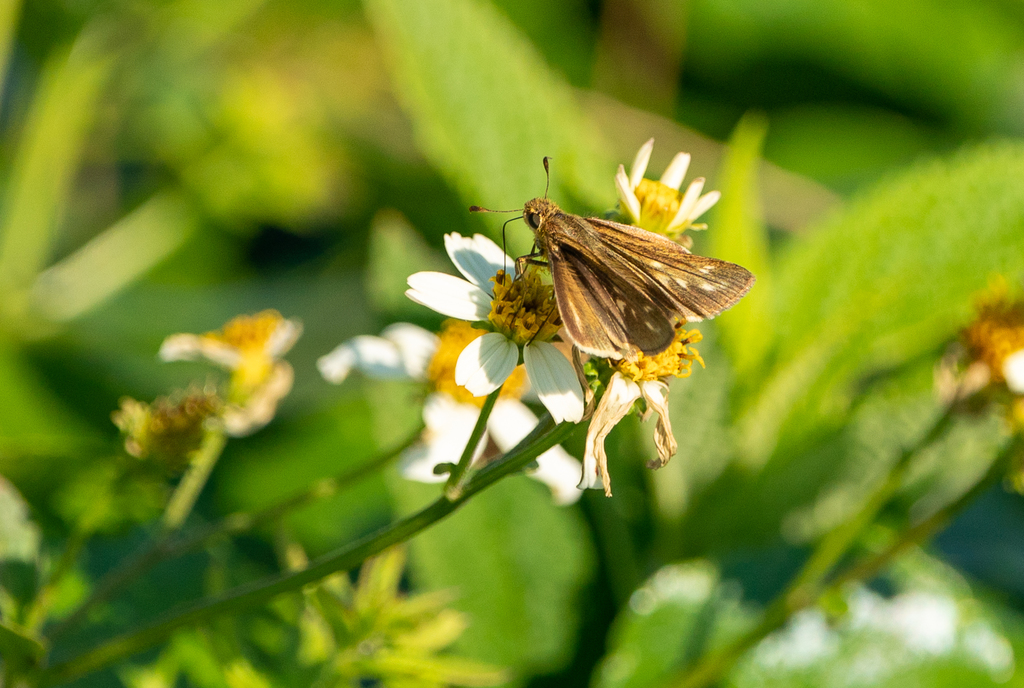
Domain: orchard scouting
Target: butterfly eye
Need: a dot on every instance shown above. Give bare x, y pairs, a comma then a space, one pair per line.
533, 219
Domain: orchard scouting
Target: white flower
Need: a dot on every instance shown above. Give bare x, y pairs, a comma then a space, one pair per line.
402, 350
487, 361
449, 425
617, 401
658, 206
405, 351
250, 347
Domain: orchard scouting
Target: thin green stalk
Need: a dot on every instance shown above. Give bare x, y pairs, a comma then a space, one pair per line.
834, 546
543, 437
714, 666
168, 547
184, 497
456, 479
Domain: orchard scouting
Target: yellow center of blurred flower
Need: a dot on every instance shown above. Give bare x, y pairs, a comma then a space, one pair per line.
998, 330
250, 335
454, 336
524, 309
675, 361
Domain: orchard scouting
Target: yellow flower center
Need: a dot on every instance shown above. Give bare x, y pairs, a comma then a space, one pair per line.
998, 330
524, 309
454, 336
675, 361
250, 335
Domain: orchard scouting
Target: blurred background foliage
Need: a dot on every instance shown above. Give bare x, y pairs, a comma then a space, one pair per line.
166, 165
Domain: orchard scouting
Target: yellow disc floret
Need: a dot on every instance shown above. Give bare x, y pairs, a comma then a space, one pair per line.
251, 336
524, 308
675, 361
454, 336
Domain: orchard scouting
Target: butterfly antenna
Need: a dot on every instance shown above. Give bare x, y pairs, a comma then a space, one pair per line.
547, 173
478, 209
504, 268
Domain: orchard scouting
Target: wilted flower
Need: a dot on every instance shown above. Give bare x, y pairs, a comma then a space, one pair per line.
450, 411
659, 206
522, 314
169, 429
646, 379
250, 346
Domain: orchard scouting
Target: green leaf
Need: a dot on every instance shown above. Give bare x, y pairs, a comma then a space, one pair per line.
518, 564
889, 279
45, 164
671, 620
114, 258
397, 251
738, 234
486, 109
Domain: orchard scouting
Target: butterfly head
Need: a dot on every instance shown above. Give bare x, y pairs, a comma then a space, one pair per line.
537, 212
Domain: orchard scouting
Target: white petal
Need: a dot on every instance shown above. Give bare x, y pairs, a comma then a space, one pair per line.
561, 473
449, 295
486, 363
689, 202
639, 166
478, 259
655, 393
416, 347
676, 170
448, 427
705, 203
260, 407
615, 404
192, 347
626, 196
553, 376
283, 338
374, 356
509, 423
1013, 371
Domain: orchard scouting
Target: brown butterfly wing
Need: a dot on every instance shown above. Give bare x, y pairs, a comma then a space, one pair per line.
604, 312
699, 287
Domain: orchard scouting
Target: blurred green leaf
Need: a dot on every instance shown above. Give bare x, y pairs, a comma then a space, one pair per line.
288, 457
889, 279
114, 259
45, 164
738, 234
486, 109
397, 251
518, 564
671, 620
900, 50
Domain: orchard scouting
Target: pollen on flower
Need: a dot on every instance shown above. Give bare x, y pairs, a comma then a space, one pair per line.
453, 338
524, 308
997, 331
675, 361
246, 332
659, 205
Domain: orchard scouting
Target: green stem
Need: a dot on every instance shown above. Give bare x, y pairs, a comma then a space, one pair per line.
168, 547
837, 543
457, 478
713, 667
543, 437
184, 497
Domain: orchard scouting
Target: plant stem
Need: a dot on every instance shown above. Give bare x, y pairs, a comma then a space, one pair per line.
167, 546
184, 497
456, 479
543, 437
834, 546
717, 664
